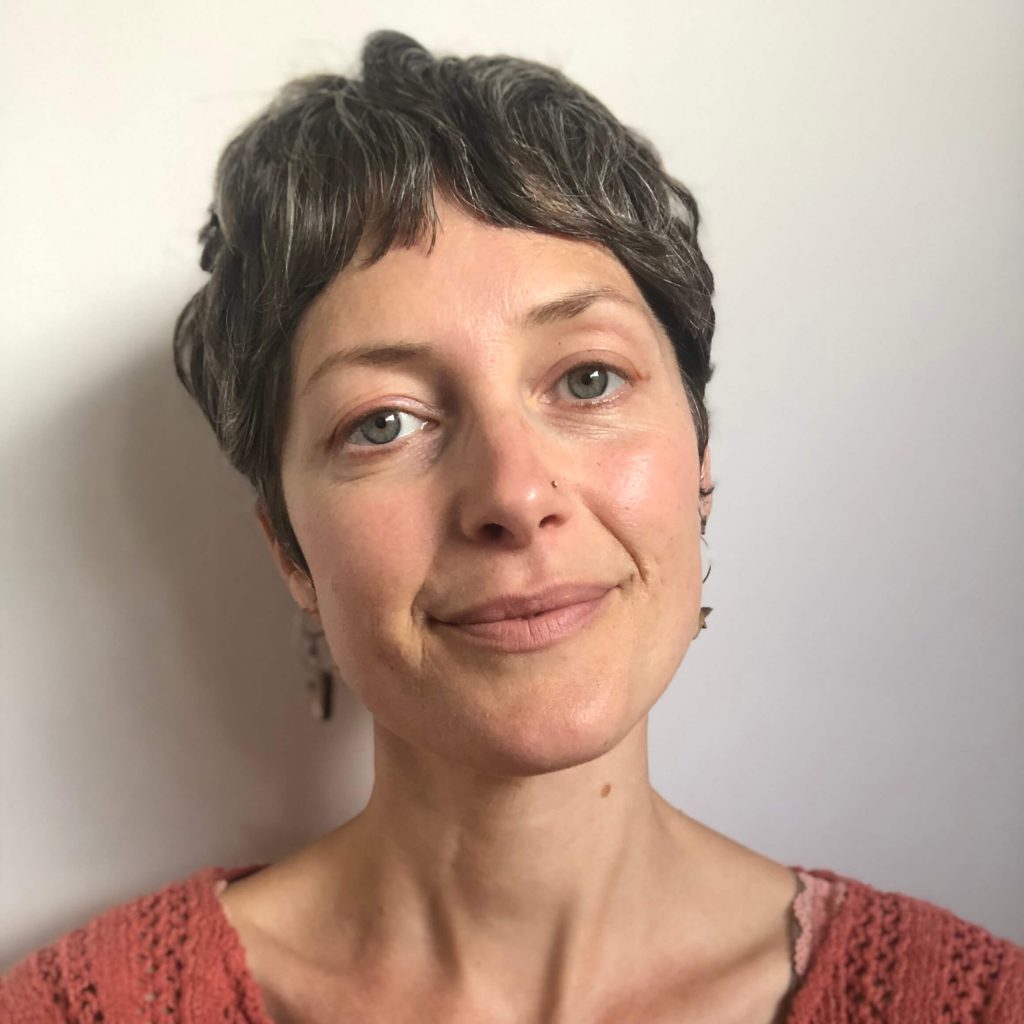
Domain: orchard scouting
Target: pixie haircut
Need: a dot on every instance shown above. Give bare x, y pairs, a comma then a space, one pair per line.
336, 162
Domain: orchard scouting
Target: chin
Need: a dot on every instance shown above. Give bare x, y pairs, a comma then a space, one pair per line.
541, 739
514, 720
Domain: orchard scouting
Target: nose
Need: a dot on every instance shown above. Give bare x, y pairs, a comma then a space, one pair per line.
511, 481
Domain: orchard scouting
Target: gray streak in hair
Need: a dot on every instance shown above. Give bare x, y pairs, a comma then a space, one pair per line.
334, 162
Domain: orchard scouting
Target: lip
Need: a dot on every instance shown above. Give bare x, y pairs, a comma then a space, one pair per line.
517, 634
518, 606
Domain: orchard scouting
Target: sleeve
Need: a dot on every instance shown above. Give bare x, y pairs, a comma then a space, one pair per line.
1007, 1005
32, 993
88, 975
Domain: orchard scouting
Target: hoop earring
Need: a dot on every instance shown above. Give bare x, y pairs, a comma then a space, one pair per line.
702, 621
320, 677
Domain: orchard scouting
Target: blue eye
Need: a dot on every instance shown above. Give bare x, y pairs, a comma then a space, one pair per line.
590, 380
381, 428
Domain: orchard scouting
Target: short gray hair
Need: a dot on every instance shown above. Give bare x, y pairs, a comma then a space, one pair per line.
336, 161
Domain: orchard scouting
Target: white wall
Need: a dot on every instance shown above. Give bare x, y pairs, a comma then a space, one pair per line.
856, 702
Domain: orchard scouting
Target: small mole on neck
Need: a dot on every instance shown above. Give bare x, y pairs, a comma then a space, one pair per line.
606, 789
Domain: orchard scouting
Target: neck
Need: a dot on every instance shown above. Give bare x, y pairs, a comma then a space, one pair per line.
567, 869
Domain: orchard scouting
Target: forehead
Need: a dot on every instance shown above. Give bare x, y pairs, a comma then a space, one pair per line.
474, 282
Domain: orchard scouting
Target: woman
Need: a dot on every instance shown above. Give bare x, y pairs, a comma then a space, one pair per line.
457, 334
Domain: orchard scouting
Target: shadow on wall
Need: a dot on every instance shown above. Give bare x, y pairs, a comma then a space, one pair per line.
187, 737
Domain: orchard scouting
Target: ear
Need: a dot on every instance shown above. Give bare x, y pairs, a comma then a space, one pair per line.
705, 501
300, 586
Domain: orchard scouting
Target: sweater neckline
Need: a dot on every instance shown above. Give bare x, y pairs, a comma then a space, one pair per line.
227, 943
799, 1006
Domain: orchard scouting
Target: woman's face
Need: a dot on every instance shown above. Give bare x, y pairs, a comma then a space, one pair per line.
436, 397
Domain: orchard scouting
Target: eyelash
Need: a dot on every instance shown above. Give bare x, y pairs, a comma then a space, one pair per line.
341, 438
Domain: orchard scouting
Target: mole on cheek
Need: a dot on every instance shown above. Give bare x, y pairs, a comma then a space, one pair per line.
606, 789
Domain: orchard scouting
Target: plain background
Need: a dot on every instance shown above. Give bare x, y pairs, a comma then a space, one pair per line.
856, 701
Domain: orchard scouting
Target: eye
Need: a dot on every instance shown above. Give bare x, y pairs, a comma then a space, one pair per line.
381, 428
590, 380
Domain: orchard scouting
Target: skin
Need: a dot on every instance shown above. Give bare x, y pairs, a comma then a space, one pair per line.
513, 862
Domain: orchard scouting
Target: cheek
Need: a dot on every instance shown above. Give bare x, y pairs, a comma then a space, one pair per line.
651, 499
368, 555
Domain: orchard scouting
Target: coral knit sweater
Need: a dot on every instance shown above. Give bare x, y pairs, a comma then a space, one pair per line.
174, 957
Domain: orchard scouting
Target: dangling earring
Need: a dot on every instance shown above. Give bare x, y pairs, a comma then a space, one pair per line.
319, 669
704, 612
702, 621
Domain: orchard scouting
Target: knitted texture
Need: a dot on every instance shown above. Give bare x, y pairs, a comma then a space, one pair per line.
888, 957
173, 957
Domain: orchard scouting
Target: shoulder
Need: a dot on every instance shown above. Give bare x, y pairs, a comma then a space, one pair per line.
890, 956
140, 960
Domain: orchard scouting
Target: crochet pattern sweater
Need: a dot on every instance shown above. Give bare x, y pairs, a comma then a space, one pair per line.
173, 956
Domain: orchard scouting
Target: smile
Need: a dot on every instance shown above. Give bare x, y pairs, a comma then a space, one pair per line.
533, 632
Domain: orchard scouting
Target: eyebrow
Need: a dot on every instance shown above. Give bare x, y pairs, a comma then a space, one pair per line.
573, 304
397, 353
